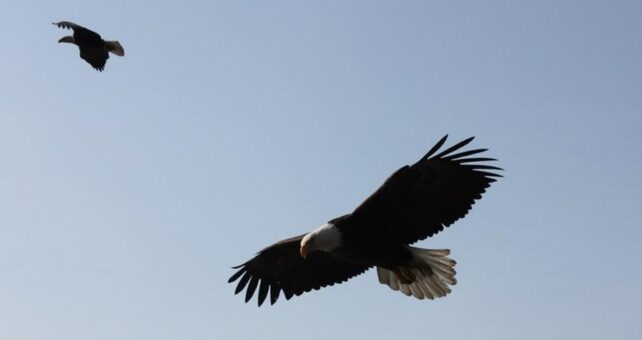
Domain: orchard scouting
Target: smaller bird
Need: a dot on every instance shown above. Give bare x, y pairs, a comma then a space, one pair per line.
93, 49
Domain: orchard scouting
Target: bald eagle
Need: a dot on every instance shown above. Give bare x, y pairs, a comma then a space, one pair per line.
93, 49
415, 202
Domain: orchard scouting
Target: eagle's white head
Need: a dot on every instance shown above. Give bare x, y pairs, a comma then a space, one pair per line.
325, 238
67, 39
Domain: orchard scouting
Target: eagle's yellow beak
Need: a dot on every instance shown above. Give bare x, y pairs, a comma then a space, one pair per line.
303, 252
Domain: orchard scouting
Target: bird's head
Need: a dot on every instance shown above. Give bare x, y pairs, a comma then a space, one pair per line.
325, 238
67, 39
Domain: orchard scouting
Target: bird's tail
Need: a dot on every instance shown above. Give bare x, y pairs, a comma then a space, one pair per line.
428, 275
115, 48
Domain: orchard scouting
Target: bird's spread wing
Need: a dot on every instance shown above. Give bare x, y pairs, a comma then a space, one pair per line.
82, 35
95, 57
68, 25
418, 201
280, 268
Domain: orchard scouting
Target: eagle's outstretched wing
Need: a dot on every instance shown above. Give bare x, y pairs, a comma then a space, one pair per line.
280, 268
418, 201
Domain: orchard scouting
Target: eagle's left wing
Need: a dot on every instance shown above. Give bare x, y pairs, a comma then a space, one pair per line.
418, 201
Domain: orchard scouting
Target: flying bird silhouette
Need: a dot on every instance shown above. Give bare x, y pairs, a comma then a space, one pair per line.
415, 202
93, 49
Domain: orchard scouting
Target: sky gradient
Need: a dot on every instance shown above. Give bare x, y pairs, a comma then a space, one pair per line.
127, 195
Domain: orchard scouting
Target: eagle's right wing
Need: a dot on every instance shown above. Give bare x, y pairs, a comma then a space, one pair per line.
280, 267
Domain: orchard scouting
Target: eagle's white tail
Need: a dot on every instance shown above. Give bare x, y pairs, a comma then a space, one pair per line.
428, 275
115, 48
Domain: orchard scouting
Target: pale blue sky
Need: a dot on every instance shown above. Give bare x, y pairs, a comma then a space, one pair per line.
125, 196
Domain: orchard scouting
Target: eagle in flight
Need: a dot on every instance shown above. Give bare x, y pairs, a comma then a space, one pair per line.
415, 202
93, 49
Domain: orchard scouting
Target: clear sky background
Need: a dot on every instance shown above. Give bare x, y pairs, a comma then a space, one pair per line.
127, 195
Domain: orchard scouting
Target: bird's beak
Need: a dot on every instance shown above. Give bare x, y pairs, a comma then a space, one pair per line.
303, 252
